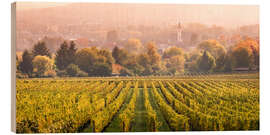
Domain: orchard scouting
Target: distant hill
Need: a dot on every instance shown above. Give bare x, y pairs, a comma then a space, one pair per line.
92, 20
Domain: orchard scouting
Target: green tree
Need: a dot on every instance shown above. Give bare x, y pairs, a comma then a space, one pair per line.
125, 72
108, 55
95, 62
42, 65
213, 47
26, 66
228, 62
174, 60
17, 63
206, 62
220, 62
85, 59
62, 56
72, 52
134, 67
116, 54
41, 49
102, 69
120, 56
175, 64
73, 70
241, 57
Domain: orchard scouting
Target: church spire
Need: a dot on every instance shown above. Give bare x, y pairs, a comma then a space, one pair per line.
179, 32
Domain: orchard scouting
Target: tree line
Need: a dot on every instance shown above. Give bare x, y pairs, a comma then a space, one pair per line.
136, 59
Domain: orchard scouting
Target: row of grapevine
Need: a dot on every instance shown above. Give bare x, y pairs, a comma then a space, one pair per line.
197, 120
232, 117
128, 114
201, 103
176, 121
152, 122
103, 117
39, 109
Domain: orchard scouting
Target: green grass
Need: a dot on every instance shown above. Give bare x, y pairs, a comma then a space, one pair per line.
164, 126
114, 125
140, 114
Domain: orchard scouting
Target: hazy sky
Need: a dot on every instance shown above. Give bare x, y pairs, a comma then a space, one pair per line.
31, 5
225, 15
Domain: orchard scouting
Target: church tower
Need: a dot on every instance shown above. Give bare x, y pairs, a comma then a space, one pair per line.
179, 32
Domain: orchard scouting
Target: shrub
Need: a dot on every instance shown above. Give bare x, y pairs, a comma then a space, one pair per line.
62, 73
82, 74
50, 73
72, 70
20, 75
125, 72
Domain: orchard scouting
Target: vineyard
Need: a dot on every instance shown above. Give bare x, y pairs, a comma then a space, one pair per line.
132, 104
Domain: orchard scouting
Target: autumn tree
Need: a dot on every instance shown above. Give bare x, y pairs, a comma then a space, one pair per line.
174, 60
213, 47
152, 53
172, 51
42, 65
246, 53
216, 50
175, 64
108, 55
133, 66
133, 45
143, 59
85, 59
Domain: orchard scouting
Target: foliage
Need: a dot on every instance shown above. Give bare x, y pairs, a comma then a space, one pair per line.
41, 65
95, 62
213, 47
152, 53
65, 55
200, 103
172, 51
241, 57
73, 70
62, 56
41, 49
120, 55
175, 64
206, 62
246, 53
133, 45
102, 69
26, 66
174, 60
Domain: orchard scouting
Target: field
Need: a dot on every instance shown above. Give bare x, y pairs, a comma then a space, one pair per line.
132, 104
